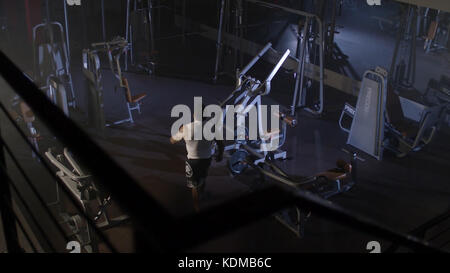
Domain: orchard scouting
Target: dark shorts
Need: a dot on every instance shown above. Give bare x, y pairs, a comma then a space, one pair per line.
197, 171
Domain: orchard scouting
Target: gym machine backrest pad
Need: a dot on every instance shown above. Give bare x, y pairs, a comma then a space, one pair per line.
409, 116
367, 128
393, 106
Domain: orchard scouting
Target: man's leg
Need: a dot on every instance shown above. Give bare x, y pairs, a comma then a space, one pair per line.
196, 199
196, 173
193, 182
197, 192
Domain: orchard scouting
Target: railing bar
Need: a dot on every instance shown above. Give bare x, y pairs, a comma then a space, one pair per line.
33, 188
19, 223
429, 224
444, 244
27, 208
423, 228
30, 242
438, 234
53, 175
235, 213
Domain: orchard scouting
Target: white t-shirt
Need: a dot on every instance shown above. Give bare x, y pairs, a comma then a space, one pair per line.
196, 149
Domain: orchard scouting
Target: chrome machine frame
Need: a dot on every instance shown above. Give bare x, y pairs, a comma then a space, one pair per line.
299, 96
91, 68
60, 64
247, 94
84, 190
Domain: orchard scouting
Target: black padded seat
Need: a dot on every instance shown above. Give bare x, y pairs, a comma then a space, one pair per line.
395, 114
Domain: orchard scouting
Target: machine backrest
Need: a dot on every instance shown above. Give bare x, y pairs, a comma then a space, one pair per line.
394, 112
92, 73
367, 130
127, 90
50, 59
432, 30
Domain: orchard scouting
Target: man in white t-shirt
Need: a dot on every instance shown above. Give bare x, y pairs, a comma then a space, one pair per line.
199, 155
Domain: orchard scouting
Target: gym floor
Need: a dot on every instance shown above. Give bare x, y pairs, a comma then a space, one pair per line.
398, 192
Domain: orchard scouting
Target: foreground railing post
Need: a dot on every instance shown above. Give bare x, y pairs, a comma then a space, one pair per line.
6, 208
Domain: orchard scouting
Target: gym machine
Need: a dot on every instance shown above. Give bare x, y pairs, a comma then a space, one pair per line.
438, 34
244, 152
247, 96
310, 43
92, 72
94, 201
230, 24
325, 185
52, 64
384, 120
140, 35
310, 50
403, 65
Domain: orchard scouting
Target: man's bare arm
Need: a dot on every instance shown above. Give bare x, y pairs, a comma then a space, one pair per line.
178, 139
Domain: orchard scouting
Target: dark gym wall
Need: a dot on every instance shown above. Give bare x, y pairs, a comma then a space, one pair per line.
18, 19
85, 24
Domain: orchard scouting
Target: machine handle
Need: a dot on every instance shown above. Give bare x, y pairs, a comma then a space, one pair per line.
277, 67
289, 120
254, 60
269, 78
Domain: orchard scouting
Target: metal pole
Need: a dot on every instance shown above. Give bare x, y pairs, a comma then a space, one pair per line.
236, 32
255, 59
400, 34
301, 60
183, 28
47, 11
127, 34
330, 40
321, 67
277, 67
7, 215
300, 73
67, 29
306, 52
219, 41
103, 21
150, 21
412, 71
321, 64
240, 31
